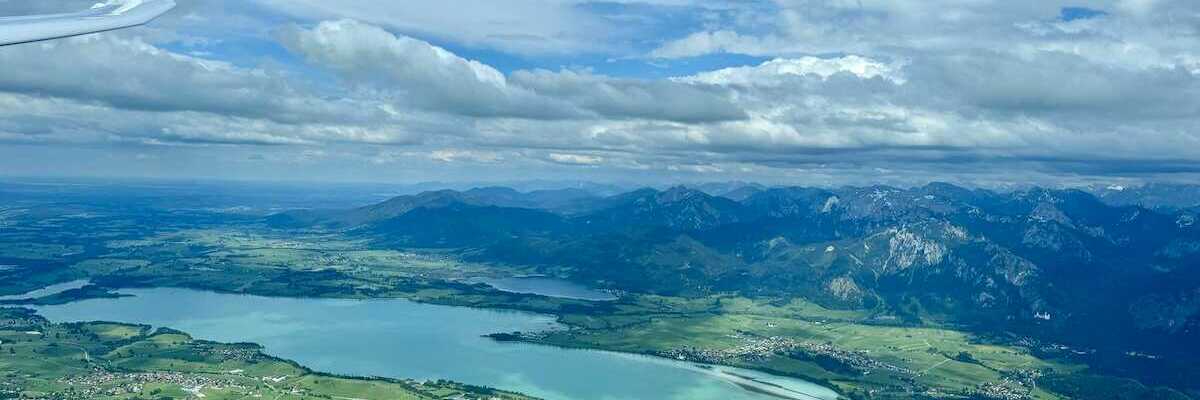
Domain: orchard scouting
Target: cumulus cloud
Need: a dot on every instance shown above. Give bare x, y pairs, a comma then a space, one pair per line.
771, 73
430, 77
421, 74
131, 74
974, 81
843, 90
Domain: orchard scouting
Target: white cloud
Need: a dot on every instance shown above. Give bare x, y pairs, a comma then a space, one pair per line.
419, 74
771, 72
851, 88
67, 121
1164, 30
449, 156
575, 159
132, 74
708, 42
518, 26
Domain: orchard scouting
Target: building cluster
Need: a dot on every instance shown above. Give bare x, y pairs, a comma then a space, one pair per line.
858, 361
696, 354
229, 353
1051, 348
20, 323
762, 348
1024, 377
9, 390
520, 336
1016, 385
751, 349
106, 384
998, 391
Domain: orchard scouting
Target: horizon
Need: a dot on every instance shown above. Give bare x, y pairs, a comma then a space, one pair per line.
559, 184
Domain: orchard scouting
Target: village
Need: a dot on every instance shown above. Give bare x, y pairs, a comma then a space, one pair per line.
1014, 386
105, 383
999, 391
762, 348
9, 390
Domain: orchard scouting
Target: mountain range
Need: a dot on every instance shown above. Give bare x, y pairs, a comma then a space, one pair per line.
1057, 265
1159, 196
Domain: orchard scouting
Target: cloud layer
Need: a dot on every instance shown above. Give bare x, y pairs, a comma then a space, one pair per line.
786, 90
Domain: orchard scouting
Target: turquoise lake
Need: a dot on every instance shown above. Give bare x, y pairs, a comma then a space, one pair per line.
403, 339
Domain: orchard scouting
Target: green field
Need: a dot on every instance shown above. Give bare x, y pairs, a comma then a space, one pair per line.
854, 353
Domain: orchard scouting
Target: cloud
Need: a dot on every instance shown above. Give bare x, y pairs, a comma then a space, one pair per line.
1034, 86
836, 91
518, 26
1049, 82
772, 73
449, 156
1124, 31
133, 75
530, 28
67, 121
632, 98
708, 42
419, 74
575, 159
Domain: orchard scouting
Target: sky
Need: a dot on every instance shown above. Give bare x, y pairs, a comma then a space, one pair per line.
979, 92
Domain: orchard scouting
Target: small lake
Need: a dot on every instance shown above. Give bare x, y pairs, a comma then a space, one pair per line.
48, 290
403, 339
549, 287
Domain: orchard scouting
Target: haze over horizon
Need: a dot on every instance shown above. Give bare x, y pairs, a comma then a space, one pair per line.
650, 91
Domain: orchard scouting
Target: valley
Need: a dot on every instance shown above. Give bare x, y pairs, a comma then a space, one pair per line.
795, 293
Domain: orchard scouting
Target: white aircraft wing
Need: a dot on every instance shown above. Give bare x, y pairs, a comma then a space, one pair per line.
111, 15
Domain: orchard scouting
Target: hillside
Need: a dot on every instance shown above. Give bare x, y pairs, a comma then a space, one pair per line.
1028, 261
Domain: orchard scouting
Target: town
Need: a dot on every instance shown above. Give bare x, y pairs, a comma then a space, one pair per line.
763, 348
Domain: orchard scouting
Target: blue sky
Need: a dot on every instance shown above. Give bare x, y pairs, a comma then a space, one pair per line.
782, 91
1075, 13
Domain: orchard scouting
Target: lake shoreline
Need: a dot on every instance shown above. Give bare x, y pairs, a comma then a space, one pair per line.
511, 338
551, 287
558, 321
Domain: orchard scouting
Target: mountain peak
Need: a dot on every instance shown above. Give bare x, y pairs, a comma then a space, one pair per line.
681, 193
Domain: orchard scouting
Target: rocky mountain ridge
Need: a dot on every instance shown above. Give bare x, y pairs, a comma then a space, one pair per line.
1031, 261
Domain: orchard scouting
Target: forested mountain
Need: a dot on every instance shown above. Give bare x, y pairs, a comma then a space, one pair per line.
1033, 261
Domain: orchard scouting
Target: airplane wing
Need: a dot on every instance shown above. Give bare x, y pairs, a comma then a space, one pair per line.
111, 15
